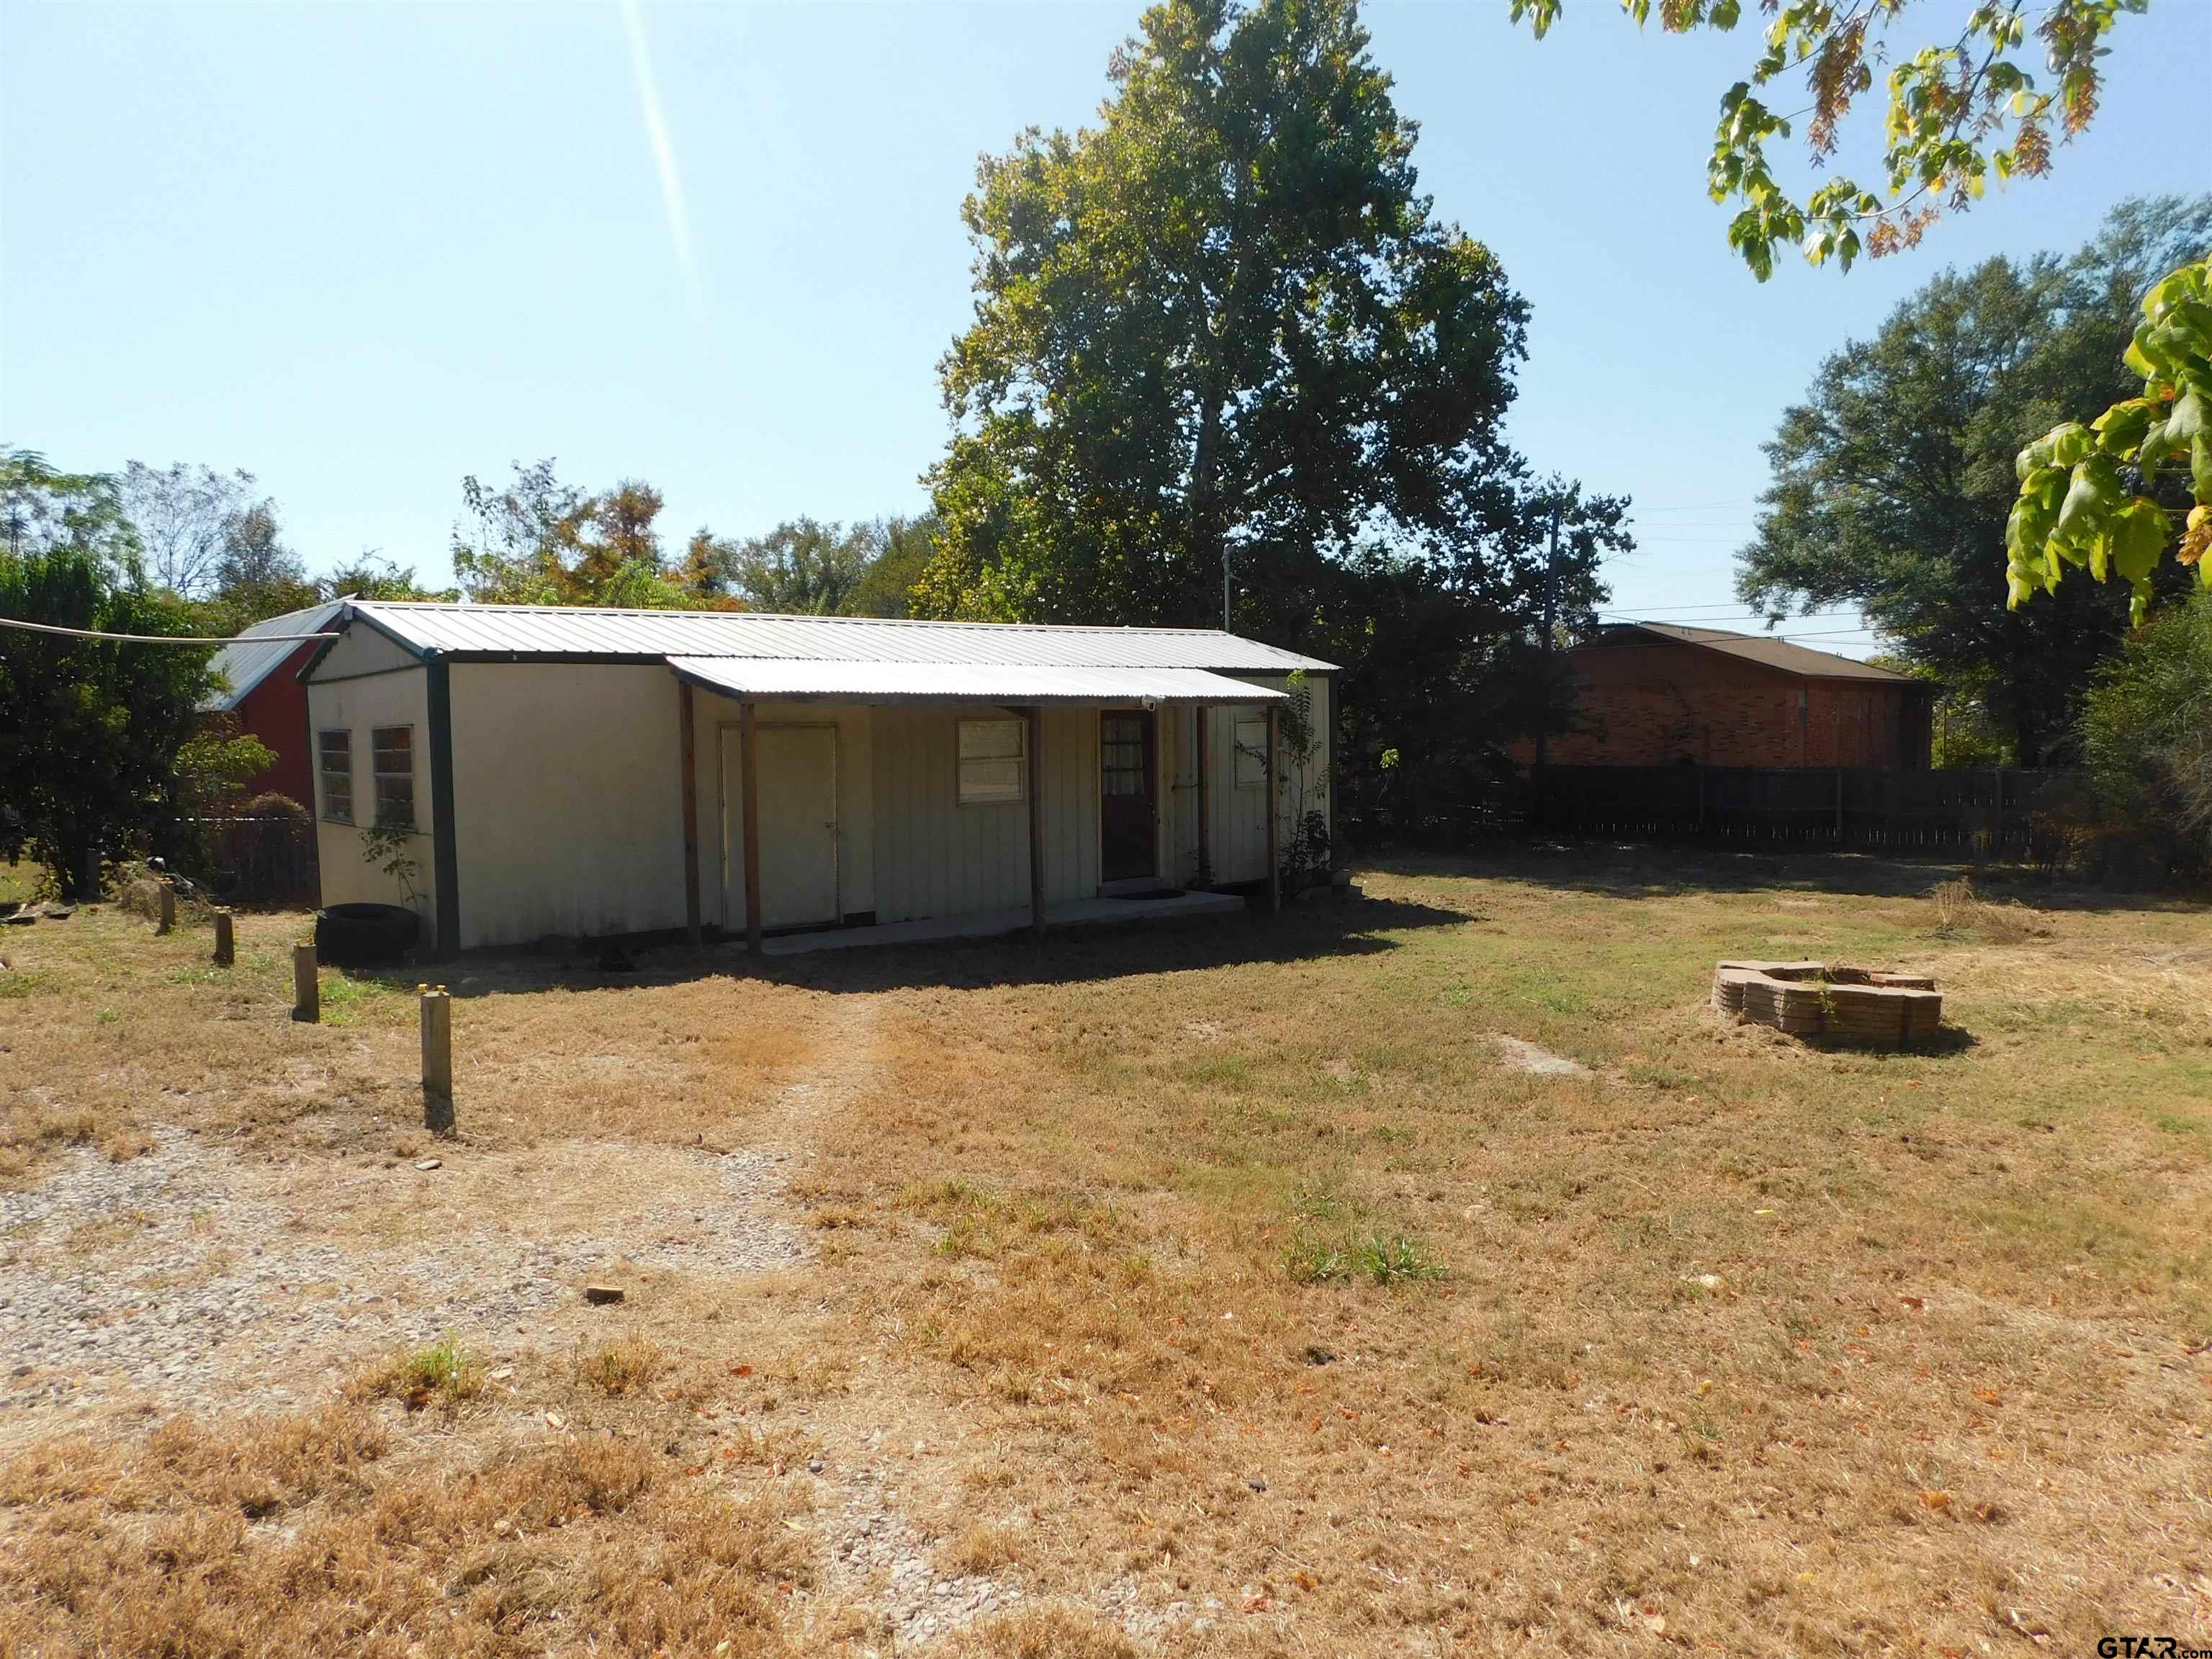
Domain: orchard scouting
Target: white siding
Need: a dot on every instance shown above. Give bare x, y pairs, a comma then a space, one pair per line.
358, 705
1237, 817
567, 799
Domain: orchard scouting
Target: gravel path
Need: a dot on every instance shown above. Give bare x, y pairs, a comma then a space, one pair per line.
162, 1277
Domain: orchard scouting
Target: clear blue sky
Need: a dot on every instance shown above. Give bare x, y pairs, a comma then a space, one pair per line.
362, 249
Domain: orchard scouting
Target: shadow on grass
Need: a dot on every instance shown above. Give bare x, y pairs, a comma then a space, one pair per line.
1066, 955
1635, 871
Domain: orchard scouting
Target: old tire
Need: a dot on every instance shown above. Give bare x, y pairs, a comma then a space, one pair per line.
365, 935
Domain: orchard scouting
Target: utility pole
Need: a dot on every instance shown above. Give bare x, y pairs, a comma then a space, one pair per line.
1225, 586
1551, 623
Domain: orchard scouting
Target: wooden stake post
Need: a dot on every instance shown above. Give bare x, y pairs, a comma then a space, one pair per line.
437, 1059
226, 950
306, 989
168, 922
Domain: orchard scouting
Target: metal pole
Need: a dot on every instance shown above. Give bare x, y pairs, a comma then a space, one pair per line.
1034, 718
437, 1059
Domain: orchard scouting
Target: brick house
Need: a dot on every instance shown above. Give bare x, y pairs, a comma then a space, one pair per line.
1656, 693
259, 687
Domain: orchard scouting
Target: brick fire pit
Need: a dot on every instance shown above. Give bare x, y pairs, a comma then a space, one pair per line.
1813, 999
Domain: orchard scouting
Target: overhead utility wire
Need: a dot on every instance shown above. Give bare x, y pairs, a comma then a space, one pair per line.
155, 639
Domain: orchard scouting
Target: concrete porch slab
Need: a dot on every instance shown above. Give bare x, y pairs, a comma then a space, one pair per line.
984, 924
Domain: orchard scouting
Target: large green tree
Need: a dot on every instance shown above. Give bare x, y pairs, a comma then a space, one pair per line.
1892, 481
1220, 336
89, 729
540, 541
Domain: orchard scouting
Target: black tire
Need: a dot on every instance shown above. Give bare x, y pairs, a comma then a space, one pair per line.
365, 935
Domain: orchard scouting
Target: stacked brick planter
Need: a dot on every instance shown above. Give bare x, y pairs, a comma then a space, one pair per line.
1812, 999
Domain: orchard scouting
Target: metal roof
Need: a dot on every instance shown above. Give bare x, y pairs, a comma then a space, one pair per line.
1768, 652
242, 667
960, 682
526, 631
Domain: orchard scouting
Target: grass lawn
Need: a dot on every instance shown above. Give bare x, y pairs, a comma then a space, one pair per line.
1205, 1290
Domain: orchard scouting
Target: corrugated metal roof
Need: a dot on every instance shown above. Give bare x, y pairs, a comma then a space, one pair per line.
960, 681
523, 630
1768, 652
242, 668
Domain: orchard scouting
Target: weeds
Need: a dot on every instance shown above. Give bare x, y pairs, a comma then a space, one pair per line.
1380, 1261
445, 1373
622, 1366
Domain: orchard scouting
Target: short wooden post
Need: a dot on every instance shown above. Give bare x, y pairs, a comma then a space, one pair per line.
306, 989
437, 1059
1034, 718
749, 790
688, 723
225, 948
1274, 810
168, 921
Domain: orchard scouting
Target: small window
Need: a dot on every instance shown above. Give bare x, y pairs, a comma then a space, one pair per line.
993, 757
395, 775
1252, 753
334, 759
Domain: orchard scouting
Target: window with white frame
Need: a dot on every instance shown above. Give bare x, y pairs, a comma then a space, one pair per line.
334, 760
993, 761
1251, 751
394, 747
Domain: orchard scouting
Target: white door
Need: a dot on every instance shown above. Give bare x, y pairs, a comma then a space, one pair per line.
798, 785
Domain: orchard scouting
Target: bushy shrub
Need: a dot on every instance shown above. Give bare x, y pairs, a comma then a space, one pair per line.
2148, 743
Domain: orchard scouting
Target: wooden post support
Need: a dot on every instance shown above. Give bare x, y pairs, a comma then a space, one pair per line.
1204, 808
688, 723
749, 775
1274, 810
168, 921
1839, 803
1034, 783
226, 950
437, 1059
306, 989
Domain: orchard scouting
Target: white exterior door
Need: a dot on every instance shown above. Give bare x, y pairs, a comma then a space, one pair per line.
798, 786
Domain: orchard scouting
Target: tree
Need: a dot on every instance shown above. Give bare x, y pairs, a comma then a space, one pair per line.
802, 568
2146, 742
1891, 483
187, 518
89, 729
1219, 340
1959, 110
900, 552
542, 542
42, 508
370, 575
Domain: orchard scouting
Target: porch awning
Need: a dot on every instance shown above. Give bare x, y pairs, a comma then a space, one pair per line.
805, 679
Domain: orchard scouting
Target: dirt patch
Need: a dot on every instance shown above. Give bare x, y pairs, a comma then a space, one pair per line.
1525, 1056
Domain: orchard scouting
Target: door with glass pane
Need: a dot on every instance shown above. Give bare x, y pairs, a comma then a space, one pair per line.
1128, 807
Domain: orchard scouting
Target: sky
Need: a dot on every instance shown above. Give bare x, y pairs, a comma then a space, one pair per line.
363, 250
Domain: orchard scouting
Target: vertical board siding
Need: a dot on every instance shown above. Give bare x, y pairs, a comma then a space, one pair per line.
1238, 817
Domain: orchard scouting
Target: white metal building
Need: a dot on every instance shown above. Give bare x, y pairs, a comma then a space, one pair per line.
589, 772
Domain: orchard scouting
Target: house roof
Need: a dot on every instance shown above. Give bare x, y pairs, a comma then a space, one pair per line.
1764, 650
525, 633
240, 667
781, 678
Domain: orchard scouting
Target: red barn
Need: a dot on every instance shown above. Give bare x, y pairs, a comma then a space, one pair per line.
260, 688
1654, 694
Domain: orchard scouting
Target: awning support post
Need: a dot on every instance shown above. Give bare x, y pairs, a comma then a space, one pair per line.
1034, 716
1204, 808
1274, 810
749, 789
687, 725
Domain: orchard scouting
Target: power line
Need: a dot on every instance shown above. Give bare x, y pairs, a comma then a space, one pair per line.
155, 639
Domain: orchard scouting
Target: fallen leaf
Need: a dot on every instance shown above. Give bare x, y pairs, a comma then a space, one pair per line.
1654, 1622
1939, 1501
741, 1371
1915, 1302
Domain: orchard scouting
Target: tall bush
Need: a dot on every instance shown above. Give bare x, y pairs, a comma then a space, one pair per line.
2147, 745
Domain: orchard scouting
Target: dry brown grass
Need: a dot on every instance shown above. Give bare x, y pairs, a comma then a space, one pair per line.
1736, 1345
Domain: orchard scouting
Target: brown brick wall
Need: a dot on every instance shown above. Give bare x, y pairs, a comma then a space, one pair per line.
1656, 703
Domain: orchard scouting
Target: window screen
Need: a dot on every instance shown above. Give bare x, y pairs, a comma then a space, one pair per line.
992, 756
1252, 752
334, 759
1121, 755
395, 773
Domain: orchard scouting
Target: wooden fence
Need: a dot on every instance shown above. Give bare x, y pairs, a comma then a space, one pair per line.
1985, 812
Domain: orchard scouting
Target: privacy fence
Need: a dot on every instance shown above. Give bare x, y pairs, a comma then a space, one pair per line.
1985, 812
